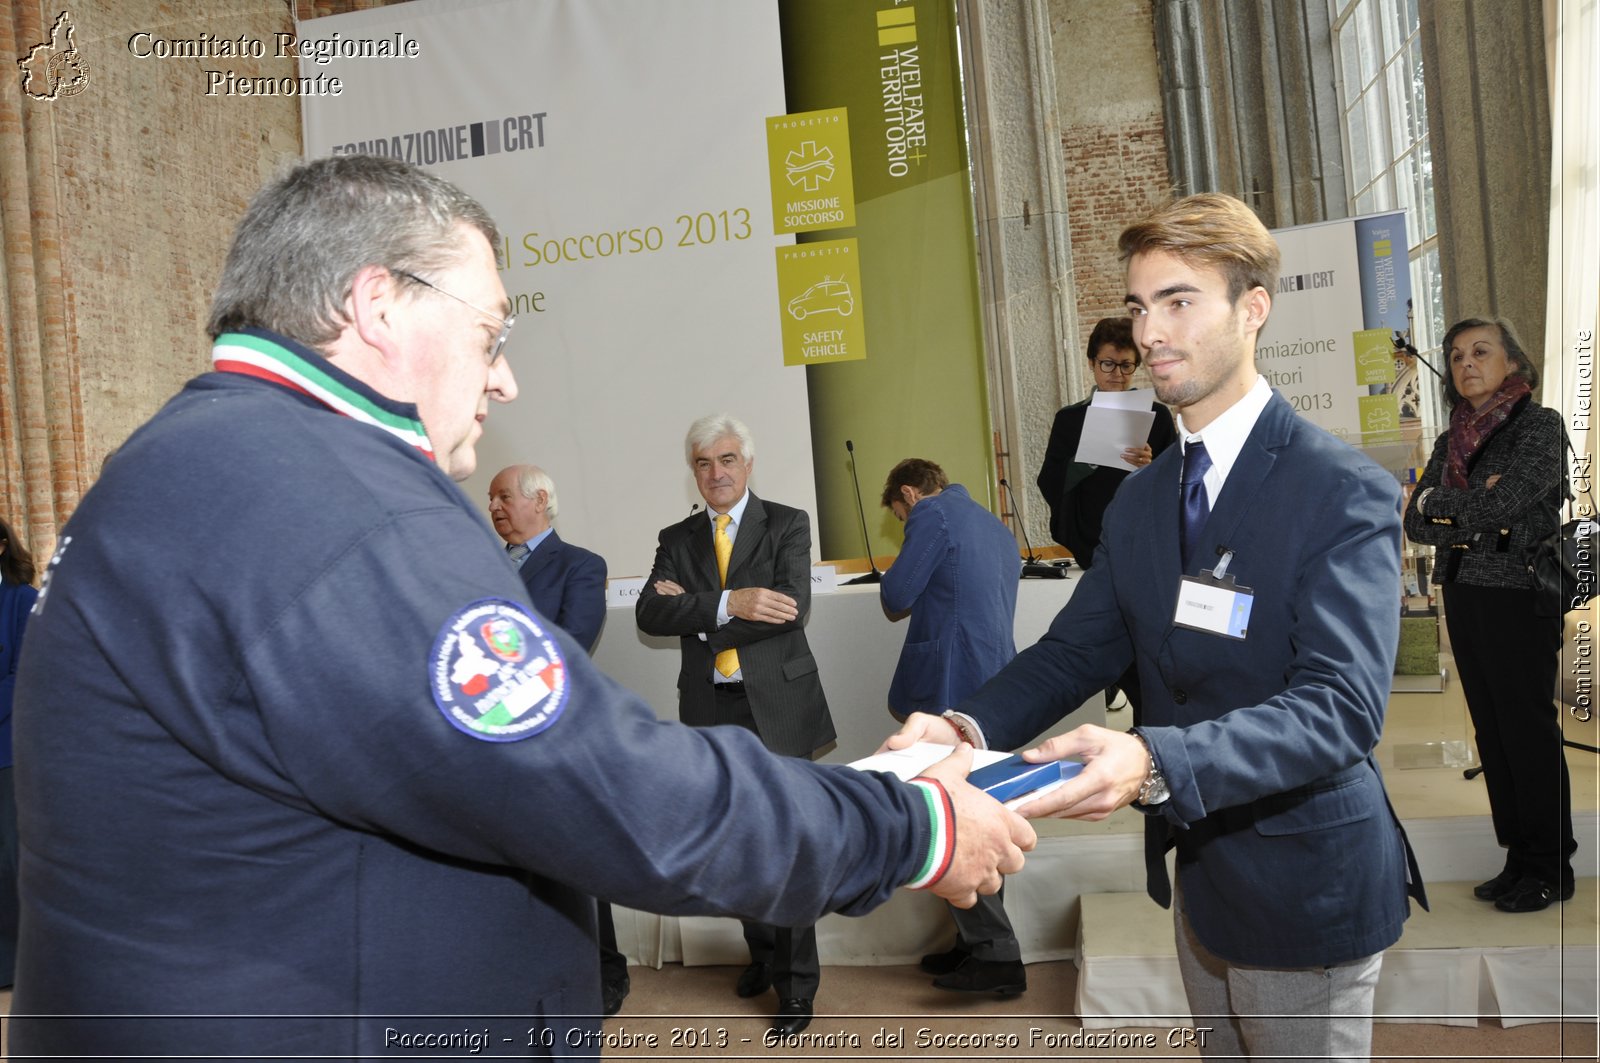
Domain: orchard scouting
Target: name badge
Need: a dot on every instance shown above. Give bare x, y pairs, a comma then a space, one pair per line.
1213, 602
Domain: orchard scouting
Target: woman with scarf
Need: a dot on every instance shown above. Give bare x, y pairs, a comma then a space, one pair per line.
1493, 487
16, 599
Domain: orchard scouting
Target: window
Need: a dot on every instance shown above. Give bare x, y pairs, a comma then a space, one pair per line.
1387, 158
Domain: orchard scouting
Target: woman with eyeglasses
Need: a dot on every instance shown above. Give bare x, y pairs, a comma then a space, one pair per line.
1078, 493
16, 600
1493, 487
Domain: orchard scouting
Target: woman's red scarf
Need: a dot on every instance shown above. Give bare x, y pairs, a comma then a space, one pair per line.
1469, 427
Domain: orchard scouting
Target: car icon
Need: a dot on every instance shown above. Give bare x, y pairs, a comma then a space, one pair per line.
825, 296
1374, 357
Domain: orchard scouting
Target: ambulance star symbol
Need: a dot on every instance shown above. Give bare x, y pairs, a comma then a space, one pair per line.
809, 168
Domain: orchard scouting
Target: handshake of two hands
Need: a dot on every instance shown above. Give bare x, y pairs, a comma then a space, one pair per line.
990, 838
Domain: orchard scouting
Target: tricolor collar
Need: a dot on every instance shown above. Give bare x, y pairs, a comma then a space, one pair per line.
268, 356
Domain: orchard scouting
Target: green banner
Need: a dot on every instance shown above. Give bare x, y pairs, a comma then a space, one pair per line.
893, 68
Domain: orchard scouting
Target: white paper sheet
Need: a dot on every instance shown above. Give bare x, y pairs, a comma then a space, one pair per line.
914, 759
1115, 421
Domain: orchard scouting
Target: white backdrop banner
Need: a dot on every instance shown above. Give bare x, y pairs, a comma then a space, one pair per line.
1330, 346
1304, 351
621, 147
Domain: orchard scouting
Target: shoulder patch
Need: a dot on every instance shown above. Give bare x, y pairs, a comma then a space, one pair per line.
496, 674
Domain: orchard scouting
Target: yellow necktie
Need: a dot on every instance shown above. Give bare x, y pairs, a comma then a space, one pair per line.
727, 660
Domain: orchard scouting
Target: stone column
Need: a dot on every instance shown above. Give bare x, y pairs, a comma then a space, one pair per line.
1484, 71
1025, 254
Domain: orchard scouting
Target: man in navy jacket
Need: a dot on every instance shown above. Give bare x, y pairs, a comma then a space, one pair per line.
1253, 575
567, 583
957, 575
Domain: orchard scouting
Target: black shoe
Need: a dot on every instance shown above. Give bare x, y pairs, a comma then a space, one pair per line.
1533, 895
612, 993
755, 980
794, 1015
944, 962
1498, 886
1003, 978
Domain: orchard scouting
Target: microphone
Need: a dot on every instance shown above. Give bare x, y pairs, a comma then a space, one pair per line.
867, 577
694, 509
1032, 568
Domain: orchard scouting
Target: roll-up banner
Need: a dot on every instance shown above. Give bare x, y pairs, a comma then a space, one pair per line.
1336, 343
883, 310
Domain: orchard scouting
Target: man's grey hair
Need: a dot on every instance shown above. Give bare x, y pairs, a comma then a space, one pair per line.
298, 248
712, 427
531, 480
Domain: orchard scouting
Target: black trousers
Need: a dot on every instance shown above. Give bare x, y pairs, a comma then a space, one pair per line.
1508, 656
8, 878
985, 929
613, 964
791, 951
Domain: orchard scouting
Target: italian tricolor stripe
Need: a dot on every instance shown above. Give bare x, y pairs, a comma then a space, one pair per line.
942, 845
257, 356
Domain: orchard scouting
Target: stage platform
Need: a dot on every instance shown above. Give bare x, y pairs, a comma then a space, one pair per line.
1081, 896
1458, 963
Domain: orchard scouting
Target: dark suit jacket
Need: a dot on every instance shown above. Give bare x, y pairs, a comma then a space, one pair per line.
568, 585
16, 599
1289, 854
1078, 494
957, 573
771, 548
1482, 535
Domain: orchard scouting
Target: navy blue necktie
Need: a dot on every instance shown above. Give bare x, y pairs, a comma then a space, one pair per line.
1196, 507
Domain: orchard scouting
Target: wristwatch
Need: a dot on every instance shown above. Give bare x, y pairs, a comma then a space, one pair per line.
1154, 789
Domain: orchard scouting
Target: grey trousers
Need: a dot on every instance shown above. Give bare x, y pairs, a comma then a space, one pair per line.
1271, 1013
985, 930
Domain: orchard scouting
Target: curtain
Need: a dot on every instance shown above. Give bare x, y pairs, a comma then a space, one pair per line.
41, 427
119, 182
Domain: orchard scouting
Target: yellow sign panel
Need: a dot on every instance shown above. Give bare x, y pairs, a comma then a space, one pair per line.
1374, 354
808, 159
1380, 418
819, 289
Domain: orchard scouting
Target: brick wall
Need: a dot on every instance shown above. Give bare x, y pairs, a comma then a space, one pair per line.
1114, 174
120, 201
1112, 139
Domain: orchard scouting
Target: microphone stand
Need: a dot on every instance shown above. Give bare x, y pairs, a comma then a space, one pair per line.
1032, 568
868, 577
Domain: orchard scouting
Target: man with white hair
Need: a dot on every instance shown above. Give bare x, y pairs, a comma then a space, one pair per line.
567, 583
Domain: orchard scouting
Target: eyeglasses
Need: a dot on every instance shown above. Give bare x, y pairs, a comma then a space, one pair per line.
1125, 368
505, 322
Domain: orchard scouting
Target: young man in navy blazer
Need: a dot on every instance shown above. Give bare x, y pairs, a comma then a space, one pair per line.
1255, 755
